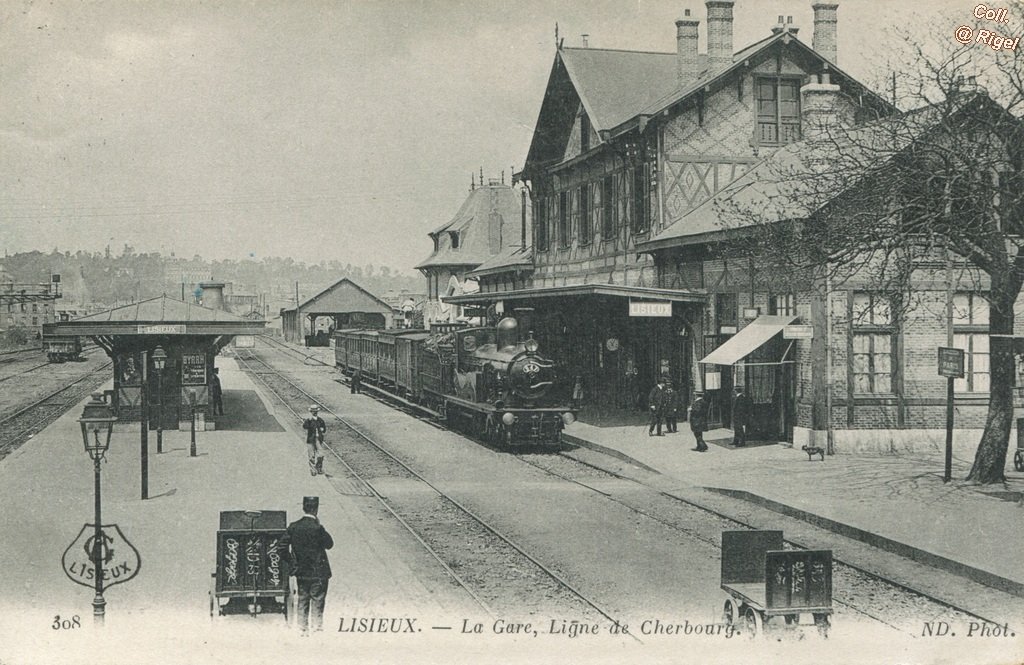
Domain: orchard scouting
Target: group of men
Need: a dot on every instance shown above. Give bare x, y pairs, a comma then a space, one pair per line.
664, 403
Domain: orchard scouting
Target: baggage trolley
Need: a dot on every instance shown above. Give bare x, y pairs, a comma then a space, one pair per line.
251, 574
771, 587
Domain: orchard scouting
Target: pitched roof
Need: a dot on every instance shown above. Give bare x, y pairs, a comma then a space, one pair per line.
614, 85
162, 309
798, 180
510, 258
335, 289
497, 204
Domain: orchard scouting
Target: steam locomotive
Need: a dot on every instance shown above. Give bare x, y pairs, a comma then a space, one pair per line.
484, 381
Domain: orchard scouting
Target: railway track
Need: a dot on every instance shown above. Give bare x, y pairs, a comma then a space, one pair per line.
498, 573
85, 351
27, 421
865, 593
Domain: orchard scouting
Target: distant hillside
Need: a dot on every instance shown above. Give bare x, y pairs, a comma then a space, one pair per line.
103, 277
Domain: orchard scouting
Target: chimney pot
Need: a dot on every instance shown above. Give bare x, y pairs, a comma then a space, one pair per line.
719, 33
824, 40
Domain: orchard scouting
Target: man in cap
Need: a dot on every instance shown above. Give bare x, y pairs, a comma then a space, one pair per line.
656, 401
742, 408
699, 420
307, 542
671, 406
315, 428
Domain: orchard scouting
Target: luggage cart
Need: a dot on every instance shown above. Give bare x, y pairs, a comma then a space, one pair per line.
771, 587
251, 574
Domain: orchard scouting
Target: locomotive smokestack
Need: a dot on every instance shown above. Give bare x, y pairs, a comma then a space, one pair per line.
508, 332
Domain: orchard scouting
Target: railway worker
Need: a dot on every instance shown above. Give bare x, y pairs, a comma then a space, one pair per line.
699, 420
356, 385
315, 429
741, 412
671, 408
307, 542
217, 394
656, 401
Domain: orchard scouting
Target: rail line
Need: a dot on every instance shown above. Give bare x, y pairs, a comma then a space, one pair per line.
462, 509
85, 350
39, 414
730, 522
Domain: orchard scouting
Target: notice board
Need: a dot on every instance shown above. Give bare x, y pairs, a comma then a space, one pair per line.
251, 561
193, 369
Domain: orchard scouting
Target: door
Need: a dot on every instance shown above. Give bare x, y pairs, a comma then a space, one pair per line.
164, 395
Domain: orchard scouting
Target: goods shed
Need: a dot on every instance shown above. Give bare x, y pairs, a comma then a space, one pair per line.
344, 304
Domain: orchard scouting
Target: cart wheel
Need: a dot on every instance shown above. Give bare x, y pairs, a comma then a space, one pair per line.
729, 612
823, 623
1018, 460
754, 624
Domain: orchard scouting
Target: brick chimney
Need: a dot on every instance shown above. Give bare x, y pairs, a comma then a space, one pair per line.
819, 109
719, 34
687, 61
824, 39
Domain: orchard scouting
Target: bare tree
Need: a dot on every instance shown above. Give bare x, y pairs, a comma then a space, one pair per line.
938, 187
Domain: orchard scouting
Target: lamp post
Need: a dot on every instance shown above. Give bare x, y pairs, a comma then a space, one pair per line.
159, 362
97, 423
192, 408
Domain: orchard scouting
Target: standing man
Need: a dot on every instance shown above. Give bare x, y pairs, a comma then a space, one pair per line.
671, 408
217, 394
699, 420
656, 400
308, 541
315, 429
356, 384
742, 409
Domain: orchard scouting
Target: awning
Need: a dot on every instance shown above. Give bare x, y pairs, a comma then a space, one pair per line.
748, 340
614, 290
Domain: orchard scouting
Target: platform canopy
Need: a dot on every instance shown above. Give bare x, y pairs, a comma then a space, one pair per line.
748, 340
159, 317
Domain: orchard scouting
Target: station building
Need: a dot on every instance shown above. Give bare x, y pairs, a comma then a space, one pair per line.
629, 276
343, 304
490, 224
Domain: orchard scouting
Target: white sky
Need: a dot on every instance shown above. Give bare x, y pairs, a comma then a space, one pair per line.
319, 130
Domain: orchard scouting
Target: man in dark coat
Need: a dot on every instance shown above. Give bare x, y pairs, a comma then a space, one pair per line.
699, 420
741, 412
356, 384
671, 408
308, 541
656, 400
217, 394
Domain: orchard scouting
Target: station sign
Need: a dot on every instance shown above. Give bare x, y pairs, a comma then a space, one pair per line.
951, 362
660, 308
798, 332
167, 329
119, 561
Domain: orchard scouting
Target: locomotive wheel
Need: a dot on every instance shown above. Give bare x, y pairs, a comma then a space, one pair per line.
753, 623
1018, 460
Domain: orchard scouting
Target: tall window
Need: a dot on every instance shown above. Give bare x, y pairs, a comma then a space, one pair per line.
640, 199
872, 343
542, 224
608, 208
782, 305
563, 219
970, 333
586, 225
454, 237
778, 110
584, 132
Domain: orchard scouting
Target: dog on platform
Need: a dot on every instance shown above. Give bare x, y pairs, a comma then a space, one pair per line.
812, 451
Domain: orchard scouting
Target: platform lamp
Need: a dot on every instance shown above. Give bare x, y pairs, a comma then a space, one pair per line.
97, 423
159, 362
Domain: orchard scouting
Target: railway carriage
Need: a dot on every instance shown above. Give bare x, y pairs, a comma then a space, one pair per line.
482, 380
61, 349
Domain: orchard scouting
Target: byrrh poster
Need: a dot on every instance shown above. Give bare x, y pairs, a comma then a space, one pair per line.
494, 306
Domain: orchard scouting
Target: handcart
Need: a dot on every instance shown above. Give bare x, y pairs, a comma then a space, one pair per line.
770, 587
251, 574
